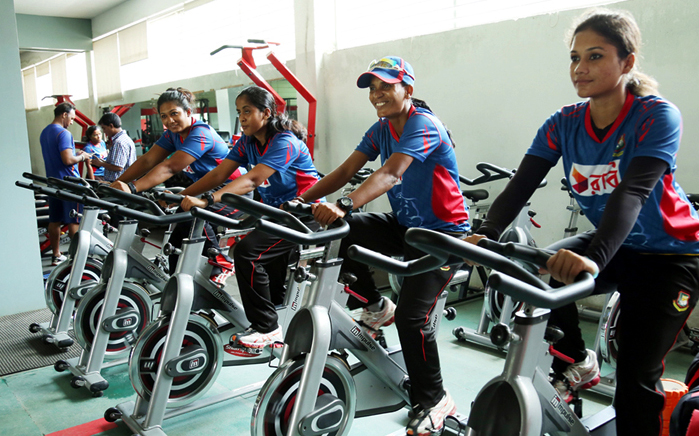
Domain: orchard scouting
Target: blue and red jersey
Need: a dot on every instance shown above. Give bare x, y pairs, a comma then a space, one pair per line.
97, 150
202, 143
288, 156
428, 194
54, 139
647, 126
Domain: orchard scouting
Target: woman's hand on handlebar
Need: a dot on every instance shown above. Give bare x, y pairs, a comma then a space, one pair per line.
120, 186
472, 239
565, 266
190, 202
326, 213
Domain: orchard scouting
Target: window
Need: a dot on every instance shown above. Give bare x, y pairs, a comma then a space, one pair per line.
363, 22
179, 44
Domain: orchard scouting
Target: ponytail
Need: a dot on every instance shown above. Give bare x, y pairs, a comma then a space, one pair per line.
423, 104
277, 123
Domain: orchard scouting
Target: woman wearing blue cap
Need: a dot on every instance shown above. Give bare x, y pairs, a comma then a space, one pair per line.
420, 176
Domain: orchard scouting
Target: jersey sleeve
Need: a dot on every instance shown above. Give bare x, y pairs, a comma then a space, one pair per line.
280, 153
659, 130
198, 142
166, 142
421, 136
547, 142
238, 153
370, 142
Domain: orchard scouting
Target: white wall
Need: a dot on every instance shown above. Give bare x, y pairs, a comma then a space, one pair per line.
494, 85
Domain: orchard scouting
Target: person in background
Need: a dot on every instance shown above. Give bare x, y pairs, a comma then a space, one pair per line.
187, 145
95, 146
419, 175
122, 153
282, 169
60, 159
619, 148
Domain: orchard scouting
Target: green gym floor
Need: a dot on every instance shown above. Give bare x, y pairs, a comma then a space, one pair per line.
42, 402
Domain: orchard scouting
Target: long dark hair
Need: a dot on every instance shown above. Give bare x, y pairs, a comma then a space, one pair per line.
619, 29
277, 123
182, 98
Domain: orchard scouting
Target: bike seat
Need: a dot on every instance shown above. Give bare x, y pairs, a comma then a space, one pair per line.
475, 194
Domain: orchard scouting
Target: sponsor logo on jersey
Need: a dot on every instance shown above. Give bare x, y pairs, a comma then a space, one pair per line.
589, 180
188, 170
620, 146
445, 268
265, 184
682, 301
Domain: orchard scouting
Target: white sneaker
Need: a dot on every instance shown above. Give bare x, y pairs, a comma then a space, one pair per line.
563, 391
373, 321
55, 260
585, 374
251, 338
430, 421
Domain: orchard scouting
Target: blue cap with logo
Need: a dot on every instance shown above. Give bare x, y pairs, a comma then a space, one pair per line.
390, 69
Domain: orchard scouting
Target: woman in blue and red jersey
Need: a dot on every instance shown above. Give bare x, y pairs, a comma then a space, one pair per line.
188, 145
282, 169
619, 150
420, 176
96, 147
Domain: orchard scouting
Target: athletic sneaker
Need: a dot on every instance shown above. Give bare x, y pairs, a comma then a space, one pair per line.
223, 268
427, 422
373, 321
55, 260
563, 391
220, 278
585, 374
251, 338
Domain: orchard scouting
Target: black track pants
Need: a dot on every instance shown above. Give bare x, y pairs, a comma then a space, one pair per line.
417, 300
657, 295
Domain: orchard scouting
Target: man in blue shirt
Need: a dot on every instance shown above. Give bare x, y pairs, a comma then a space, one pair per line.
60, 159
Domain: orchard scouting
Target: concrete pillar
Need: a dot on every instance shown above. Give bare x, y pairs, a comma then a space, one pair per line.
21, 287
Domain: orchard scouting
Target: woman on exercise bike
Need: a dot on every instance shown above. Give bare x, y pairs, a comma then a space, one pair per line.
282, 169
188, 145
619, 150
420, 176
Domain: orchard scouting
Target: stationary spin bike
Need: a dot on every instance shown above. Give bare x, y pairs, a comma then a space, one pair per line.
522, 401
497, 307
315, 391
179, 356
70, 280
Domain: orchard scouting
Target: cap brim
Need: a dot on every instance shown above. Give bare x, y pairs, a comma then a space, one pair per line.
365, 79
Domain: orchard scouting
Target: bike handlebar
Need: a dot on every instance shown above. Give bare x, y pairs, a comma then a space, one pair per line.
491, 173
132, 199
293, 230
261, 210
161, 219
223, 221
508, 277
92, 183
169, 197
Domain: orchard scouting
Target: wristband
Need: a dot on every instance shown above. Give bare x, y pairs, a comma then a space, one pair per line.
209, 197
132, 187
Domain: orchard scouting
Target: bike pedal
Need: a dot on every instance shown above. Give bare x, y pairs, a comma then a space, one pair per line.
242, 351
